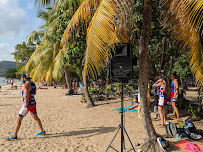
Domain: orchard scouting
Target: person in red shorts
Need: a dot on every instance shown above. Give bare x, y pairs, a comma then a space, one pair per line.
174, 96
29, 105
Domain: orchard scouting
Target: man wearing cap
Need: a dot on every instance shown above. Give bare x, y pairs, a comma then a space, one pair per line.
29, 105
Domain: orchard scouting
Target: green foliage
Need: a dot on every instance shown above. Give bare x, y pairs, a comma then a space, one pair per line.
107, 89
192, 111
22, 54
182, 68
96, 93
83, 98
75, 54
181, 124
11, 73
117, 87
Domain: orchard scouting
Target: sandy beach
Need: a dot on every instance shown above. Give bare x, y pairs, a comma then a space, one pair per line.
70, 126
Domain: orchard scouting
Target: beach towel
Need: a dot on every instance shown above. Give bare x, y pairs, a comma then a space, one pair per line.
189, 146
125, 109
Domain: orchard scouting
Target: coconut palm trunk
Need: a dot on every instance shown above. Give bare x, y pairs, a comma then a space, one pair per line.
67, 76
150, 144
90, 102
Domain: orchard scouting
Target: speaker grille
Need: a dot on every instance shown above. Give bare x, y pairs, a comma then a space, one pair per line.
121, 62
121, 66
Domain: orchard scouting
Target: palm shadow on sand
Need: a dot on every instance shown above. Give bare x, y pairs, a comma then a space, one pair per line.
84, 133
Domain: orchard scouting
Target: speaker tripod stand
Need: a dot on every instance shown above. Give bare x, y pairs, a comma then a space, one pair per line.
122, 128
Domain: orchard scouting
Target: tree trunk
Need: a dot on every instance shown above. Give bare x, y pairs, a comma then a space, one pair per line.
143, 78
67, 77
171, 65
90, 102
163, 54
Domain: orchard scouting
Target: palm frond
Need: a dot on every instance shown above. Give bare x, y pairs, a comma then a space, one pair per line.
34, 36
83, 14
49, 76
31, 65
52, 27
103, 33
58, 65
185, 19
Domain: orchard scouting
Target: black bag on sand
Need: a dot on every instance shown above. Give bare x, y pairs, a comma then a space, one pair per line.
171, 129
191, 130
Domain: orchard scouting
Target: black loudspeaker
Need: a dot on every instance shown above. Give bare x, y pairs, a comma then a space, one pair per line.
121, 63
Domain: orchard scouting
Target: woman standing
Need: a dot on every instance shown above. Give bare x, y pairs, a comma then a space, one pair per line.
174, 96
163, 99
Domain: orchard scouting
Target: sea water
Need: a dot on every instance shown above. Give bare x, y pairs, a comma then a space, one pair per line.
3, 81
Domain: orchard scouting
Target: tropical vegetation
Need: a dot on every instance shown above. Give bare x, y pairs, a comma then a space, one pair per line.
78, 36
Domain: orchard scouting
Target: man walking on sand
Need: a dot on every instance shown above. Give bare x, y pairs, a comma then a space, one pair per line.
29, 105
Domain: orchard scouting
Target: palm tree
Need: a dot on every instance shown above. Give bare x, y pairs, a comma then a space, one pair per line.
104, 30
49, 50
110, 24
150, 143
185, 21
101, 42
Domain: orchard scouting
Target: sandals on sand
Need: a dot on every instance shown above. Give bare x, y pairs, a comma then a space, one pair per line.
161, 126
41, 133
140, 116
173, 116
177, 119
12, 137
163, 143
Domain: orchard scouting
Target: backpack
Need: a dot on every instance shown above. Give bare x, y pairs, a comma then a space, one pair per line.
171, 129
191, 130
189, 127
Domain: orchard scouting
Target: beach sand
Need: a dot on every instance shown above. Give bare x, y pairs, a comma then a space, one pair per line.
70, 126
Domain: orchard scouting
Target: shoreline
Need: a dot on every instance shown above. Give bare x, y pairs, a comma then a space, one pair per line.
4, 78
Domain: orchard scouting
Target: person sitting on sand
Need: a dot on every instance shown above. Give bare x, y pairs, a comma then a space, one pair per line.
13, 88
42, 88
28, 92
70, 92
134, 103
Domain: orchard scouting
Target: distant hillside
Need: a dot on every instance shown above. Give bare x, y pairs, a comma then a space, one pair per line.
4, 65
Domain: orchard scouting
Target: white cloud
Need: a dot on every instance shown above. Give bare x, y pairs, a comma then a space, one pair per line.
11, 16
5, 52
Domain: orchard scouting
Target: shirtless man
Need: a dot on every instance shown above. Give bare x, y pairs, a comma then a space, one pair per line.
29, 105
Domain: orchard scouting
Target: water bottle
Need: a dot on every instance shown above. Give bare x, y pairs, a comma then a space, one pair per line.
155, 109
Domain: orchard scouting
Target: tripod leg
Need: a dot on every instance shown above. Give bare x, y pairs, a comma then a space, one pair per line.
129, 139
113, 138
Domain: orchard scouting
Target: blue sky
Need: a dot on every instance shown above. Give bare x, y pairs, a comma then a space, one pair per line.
18, 20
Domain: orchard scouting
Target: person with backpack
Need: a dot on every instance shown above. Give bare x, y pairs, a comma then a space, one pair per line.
163, 99
174, 96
